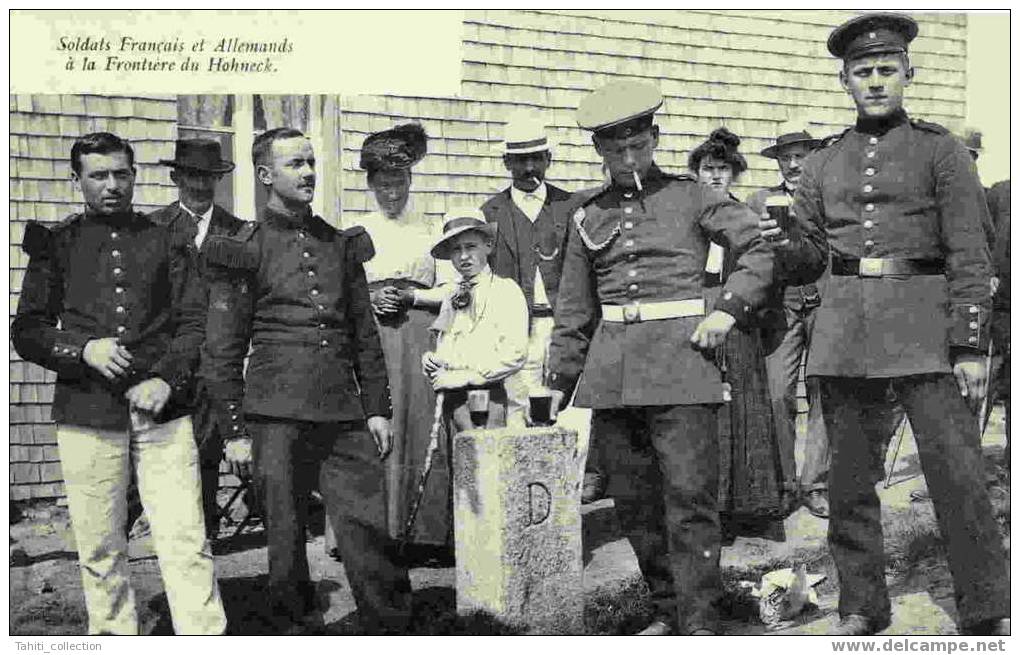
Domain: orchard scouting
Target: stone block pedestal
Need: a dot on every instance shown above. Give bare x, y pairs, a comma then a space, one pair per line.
517, 527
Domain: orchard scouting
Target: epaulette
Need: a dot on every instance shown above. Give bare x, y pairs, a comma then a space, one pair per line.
832, 138
919, 124
359, 244
235, 250
37, 239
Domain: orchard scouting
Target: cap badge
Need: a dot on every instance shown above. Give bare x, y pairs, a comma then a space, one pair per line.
871, 35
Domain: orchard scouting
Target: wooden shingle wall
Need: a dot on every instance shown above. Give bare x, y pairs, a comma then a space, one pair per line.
748, 70
43, 128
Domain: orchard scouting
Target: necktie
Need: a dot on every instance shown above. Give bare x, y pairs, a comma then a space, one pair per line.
189, 225
461, 298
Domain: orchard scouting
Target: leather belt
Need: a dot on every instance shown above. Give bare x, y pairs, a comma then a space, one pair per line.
877, 267
636, 312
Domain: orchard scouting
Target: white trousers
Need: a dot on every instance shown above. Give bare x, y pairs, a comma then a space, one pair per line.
530, 379
96, 465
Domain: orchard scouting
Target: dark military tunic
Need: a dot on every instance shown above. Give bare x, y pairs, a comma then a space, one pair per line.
871, 199
899, 203
649, 246
97, 276
296, 288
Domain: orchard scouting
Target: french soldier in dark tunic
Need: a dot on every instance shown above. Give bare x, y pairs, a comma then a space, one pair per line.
295, 288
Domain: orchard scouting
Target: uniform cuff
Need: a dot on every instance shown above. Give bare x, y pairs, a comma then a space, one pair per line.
379, 405
735, 306
230, 419
967, 328
563, 383
68, 347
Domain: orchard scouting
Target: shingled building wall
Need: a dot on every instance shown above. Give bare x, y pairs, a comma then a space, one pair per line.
748, 70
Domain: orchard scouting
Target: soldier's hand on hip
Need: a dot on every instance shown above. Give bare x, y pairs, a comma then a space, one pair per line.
149, 396
107, 356
237, 452
379, 427
712, 330
972, 379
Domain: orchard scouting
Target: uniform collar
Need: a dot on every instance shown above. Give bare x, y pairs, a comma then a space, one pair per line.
302, 220
879, 126
121, 219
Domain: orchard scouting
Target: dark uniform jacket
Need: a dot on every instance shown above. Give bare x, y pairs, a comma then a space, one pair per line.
124, 276
630, 247
900, 189
515, 255
295, 288
998, 206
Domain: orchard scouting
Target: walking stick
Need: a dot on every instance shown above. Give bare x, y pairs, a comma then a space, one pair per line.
437, 421
896, 452
986, 403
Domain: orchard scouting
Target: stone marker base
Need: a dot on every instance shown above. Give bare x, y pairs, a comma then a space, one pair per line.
517, 527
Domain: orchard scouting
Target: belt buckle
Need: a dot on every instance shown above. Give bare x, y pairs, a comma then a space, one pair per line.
632, 313
870, 267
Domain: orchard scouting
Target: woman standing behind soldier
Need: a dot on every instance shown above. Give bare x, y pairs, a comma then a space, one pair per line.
402, 238
756, 472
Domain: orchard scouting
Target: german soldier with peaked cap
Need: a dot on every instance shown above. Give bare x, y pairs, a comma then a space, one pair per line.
897, 203
632, 327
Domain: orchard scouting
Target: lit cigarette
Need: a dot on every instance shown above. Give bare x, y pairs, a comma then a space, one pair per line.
637, 181
537, 181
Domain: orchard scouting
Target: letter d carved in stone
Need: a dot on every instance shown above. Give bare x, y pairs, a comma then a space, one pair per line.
539, 503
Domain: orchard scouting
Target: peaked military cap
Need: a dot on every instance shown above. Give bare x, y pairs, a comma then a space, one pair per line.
619, 109
872, 34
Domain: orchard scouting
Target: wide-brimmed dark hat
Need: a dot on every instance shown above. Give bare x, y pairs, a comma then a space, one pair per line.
399, 148
199, 155
783, 140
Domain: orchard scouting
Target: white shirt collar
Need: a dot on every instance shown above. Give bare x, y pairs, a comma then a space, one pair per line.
205, 217
520, 197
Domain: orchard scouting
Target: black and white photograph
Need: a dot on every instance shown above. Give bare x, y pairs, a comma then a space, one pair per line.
660, 322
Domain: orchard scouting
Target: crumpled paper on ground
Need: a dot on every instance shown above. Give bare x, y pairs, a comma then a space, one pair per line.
784, 593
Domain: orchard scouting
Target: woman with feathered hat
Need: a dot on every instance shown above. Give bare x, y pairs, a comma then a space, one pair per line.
403, 237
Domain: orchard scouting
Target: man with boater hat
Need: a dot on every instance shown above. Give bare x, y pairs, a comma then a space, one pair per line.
633, 334
897, 203
196, 170
788, 340
532, 216
314, 403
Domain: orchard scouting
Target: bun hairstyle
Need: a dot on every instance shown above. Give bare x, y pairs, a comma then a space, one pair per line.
721, 144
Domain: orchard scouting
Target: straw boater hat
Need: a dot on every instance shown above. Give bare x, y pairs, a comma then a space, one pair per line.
399, 148
199, 155
459, 221
524, 134
789, 132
